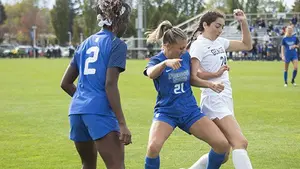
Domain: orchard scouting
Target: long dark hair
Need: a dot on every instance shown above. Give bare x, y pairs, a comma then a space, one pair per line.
208, 17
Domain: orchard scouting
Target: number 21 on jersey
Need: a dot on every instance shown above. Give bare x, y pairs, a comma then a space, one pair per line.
95, 51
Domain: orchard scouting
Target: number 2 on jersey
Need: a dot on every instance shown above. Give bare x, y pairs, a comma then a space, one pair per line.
223, 60
95, 51
178, 88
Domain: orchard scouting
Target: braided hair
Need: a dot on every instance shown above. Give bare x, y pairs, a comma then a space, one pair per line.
113, 14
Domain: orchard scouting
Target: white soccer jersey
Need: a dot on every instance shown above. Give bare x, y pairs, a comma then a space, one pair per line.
212, 55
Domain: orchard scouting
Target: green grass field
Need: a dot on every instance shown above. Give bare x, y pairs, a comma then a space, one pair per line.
35, 128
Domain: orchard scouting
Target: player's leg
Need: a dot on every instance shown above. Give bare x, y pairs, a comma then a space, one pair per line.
111, 150
285, 73
161, 128
88, 154
237, 140
214, 107
205, 129
203, 160
295, 64
83, 142
104, 130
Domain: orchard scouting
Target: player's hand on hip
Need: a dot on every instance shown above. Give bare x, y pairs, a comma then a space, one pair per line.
217, 87
173, 63
294, 46
239, 15
125, 135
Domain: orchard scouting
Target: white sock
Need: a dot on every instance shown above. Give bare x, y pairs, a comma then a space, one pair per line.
201, 163
241, 159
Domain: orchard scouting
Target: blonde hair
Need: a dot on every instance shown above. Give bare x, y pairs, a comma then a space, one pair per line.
167, 33
286, 32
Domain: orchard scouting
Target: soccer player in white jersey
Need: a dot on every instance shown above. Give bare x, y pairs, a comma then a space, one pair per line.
208, 54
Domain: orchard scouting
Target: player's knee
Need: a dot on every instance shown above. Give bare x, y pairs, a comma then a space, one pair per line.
222, 146
240, 144
89, 162
154, 148
115, 163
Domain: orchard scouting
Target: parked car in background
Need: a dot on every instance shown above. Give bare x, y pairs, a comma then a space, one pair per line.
6, 50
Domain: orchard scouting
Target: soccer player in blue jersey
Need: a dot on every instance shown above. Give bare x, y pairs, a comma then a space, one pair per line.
96, 118
289, 54
176, 104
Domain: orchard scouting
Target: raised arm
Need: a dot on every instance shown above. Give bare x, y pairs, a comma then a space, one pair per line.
245, 44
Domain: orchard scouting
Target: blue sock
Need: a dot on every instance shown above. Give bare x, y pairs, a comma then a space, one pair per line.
294, 75
215, 160
152, 163
285, 75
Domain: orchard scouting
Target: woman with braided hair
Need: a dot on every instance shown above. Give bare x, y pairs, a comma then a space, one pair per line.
96, 118
208, 52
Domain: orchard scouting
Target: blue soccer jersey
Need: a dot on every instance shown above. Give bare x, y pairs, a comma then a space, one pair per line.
288, 42
175, 96
92, 58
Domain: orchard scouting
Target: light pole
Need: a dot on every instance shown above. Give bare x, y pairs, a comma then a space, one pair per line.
81, 37
70, 37
140, 29
34, 37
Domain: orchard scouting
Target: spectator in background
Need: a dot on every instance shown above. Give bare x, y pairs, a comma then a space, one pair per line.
71, 51
254, 50
280, 21
294, 20
261, 23
150, 51
270, 27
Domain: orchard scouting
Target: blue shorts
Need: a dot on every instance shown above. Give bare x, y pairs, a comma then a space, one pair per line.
288, 59
183, 122
88, 127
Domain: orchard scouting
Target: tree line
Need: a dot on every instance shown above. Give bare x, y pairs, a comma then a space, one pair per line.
78, 18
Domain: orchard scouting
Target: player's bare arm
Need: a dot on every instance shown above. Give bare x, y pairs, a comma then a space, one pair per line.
202, 74
67, 82
282, 53
197, 82
155, 71
113, 95
246, 43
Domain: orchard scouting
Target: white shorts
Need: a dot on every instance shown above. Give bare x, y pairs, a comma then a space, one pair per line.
217, 106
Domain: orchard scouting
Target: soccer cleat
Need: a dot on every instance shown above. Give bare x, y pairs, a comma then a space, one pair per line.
285, 85
294, 83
